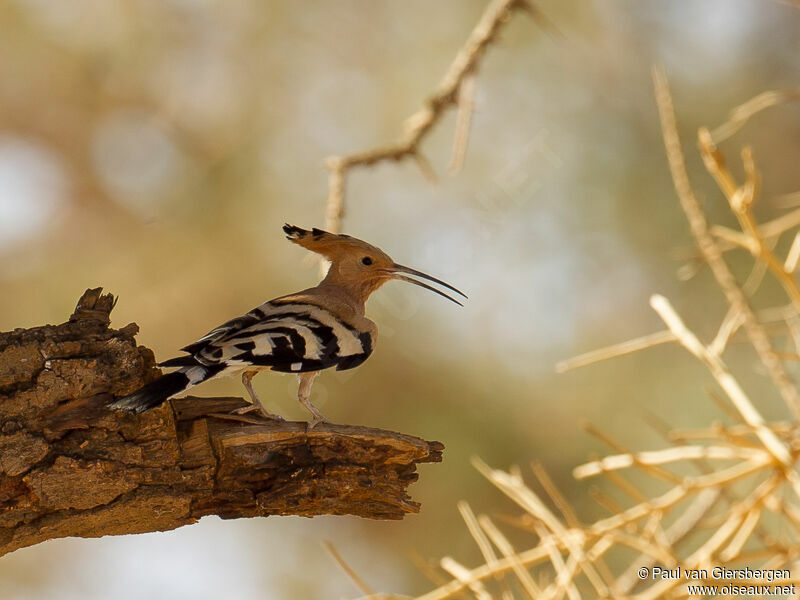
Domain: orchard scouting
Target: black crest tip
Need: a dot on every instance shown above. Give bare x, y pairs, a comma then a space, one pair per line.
293, 232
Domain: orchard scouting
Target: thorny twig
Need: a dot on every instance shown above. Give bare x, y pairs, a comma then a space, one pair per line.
459, 75
698, 225
702, 520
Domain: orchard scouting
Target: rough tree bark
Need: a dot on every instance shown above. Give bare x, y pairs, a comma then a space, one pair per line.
71, 467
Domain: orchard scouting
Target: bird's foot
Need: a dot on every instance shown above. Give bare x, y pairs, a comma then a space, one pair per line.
315, 421
258, 409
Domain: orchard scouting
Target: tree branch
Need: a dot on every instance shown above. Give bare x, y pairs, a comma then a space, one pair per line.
446, 95
71, 467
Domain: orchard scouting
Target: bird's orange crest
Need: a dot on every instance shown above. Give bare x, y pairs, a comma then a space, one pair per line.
332, 246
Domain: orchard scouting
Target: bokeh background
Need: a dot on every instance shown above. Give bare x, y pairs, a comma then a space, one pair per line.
156, 148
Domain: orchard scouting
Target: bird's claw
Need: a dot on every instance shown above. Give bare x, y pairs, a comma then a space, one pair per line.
314, 422
260, 410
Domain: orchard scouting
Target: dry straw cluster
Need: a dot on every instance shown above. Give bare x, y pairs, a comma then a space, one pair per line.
740, 510
740, 507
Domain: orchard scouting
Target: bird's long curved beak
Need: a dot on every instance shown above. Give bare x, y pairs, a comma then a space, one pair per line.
396, 272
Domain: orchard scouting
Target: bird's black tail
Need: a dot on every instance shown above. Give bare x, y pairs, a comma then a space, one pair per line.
154, 393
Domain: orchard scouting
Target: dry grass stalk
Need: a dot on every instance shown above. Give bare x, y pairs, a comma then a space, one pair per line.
742, 113
347, 569
621, 349
466, 106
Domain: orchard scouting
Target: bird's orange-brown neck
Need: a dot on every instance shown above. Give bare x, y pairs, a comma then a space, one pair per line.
356, 289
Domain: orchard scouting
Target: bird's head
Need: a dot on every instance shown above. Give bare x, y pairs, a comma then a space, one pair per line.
358, 266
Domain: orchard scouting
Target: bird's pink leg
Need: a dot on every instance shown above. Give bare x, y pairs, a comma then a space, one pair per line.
256, 405
304, 393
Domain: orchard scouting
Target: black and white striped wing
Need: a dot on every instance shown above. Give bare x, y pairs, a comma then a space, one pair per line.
290, 338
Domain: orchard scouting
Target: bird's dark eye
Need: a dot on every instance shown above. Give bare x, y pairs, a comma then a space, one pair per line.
366, 261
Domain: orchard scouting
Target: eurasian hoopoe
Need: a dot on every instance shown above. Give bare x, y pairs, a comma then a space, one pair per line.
303, 333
